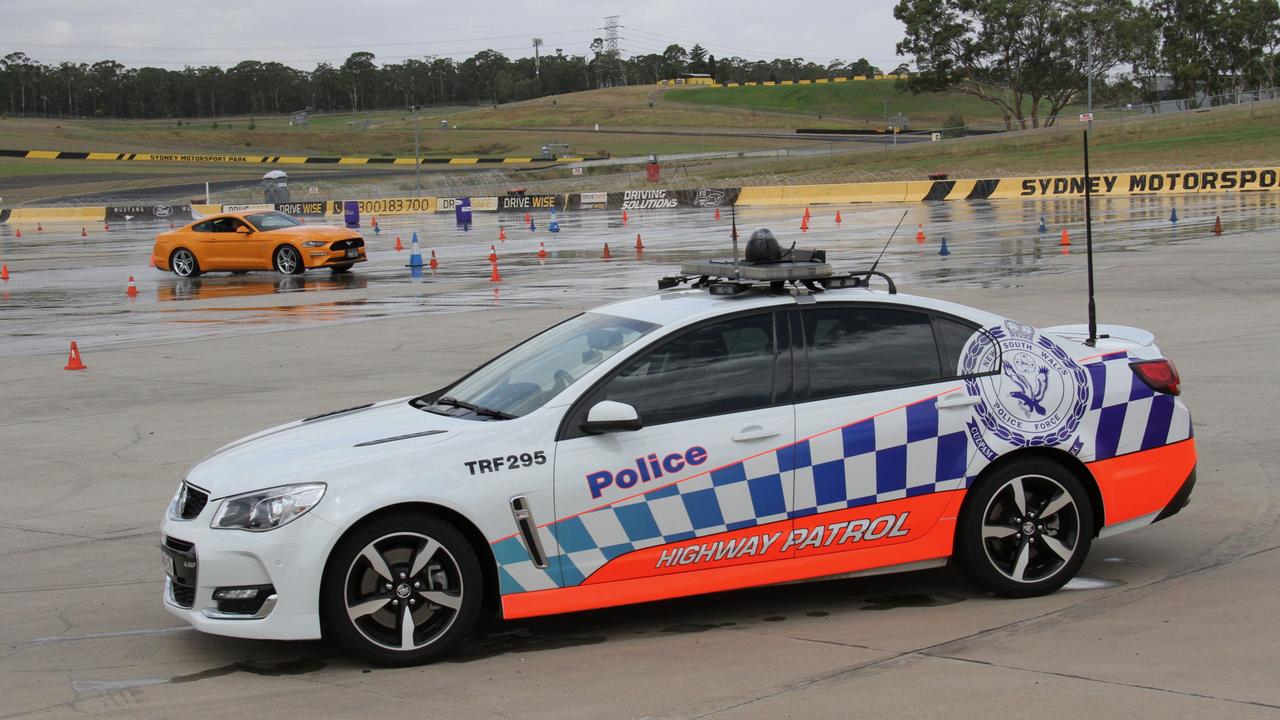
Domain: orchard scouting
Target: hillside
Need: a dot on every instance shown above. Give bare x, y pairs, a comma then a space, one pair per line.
862, 101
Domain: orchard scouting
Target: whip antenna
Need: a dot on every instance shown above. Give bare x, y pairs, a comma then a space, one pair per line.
733, 219
886, 244
1088, 241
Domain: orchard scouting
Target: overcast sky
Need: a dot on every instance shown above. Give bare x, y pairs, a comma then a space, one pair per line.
222, 32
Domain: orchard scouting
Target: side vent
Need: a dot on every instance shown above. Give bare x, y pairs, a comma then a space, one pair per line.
528, 530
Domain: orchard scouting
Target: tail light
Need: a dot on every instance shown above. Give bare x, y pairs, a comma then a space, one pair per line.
1159, 375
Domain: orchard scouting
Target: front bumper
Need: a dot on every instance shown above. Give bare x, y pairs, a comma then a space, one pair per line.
316, 258
291, 559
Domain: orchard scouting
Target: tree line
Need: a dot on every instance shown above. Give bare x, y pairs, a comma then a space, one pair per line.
1032, 58
109, 89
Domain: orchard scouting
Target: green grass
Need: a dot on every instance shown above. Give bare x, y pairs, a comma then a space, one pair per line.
863, 101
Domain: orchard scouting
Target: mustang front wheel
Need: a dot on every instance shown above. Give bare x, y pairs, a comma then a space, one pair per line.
1026, 529
402, 590
288, 261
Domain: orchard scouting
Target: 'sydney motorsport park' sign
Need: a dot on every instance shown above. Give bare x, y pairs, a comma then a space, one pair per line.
1156, 182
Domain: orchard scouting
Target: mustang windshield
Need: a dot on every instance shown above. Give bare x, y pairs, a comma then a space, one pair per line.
271, 220
521, 380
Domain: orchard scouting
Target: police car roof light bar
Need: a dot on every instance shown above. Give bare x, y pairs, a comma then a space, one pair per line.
1088, 243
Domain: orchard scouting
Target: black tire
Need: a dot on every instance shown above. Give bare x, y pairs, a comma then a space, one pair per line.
1030, 550
365, 611
239, 272
339, 269
184, 264
288, 261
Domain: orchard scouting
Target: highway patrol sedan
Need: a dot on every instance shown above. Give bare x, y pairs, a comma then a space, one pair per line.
686, 443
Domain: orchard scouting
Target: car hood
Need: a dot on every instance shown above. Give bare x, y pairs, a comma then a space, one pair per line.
324, 447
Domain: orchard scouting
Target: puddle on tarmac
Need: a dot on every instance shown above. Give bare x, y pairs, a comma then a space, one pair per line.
1088, 583
913, 600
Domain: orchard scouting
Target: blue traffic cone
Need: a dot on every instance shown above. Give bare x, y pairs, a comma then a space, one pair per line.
415, 255
1043, 227
532, 227
1173, 216
554, 226
944, 251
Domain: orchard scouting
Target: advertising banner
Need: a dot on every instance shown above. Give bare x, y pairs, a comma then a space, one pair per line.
478, 204
666, 199
300, 209
119, 213
387, 206
521, 203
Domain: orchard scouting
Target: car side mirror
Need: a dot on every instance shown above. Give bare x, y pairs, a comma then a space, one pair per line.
244, 230
608, 416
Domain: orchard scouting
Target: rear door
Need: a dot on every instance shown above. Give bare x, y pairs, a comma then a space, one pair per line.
880, 428
706, 482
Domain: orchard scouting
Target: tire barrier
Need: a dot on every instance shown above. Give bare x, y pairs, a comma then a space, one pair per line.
1174, 182
285, 159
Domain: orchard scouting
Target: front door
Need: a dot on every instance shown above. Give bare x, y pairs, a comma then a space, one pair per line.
706, 482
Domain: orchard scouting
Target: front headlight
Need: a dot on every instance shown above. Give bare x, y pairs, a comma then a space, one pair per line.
313, 243
263, 510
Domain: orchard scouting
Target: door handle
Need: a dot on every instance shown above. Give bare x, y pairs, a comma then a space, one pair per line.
753, 432
955, 400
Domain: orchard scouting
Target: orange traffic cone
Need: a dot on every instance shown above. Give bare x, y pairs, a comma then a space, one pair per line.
804, 224
106, 226
639, 243
502, 233
806, 212
606, 254
39, 227
717, 213
73, 359
493, 254
4, 271
84, 232
434, 264
1217, 225
624, 217
542, 251
133, 289
495, 276
399, 245
1066, 239
920, 233
527, 219
838, 220
17, 232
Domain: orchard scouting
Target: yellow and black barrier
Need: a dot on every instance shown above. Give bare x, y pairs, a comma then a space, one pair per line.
282, 159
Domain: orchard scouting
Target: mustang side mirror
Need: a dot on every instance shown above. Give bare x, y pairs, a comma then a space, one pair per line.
608, 416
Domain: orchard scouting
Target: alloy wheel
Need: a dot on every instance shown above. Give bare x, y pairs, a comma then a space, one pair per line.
403, 591
1030, 528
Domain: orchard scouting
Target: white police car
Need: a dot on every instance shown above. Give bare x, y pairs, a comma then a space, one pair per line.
686, 443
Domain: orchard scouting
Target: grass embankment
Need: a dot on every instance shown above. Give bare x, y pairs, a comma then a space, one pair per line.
864, 102
1228, 137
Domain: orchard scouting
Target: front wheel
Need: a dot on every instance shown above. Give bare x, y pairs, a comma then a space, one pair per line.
1025, 530
288, 261
402, 590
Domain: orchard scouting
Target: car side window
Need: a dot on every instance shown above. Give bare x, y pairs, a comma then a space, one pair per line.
206, 226
724, 367
862, 349
224, 225
967, 349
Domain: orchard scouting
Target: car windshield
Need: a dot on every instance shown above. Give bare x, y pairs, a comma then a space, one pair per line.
271, 220
527, 376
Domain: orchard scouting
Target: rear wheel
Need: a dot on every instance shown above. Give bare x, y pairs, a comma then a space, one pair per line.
1025, 530
288, 261
183, 263
402, 590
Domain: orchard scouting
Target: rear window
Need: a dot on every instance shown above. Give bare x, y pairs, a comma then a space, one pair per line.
855, 350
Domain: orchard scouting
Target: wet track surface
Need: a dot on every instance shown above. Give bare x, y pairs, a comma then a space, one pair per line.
64, 286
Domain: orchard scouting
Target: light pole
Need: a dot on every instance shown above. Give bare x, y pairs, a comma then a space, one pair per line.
417, 161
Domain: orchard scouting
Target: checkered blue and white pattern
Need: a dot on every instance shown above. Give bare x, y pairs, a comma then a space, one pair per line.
902, 453
1127, 415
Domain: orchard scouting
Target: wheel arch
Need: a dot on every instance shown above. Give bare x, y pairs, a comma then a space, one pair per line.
1063, 458
469, 530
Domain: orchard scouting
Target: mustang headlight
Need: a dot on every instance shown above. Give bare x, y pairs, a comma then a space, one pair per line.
268, 509
314, 243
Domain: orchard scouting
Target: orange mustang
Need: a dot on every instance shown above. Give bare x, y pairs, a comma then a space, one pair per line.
259, 240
